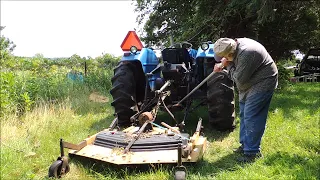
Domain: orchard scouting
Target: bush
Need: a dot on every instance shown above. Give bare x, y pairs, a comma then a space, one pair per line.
283, 76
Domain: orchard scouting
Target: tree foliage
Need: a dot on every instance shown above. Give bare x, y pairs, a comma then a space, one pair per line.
280, 25
6, 47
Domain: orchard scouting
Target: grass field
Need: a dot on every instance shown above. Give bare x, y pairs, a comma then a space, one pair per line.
291, 147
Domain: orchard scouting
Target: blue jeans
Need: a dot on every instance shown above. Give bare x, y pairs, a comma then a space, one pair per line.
253, 118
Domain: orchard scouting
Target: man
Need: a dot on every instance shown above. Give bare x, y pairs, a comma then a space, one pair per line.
256, 76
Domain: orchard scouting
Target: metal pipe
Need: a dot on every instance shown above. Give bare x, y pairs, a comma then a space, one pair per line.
179, 154
171, 39
168, 83
199, 125
146, 88
113, 123
196, 88
169, 127
61, 148
170, 113
136, 137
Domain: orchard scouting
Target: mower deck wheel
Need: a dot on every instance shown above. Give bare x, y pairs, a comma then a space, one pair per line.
56, 170
180, 173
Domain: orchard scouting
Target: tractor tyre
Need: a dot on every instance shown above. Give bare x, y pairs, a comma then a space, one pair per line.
220, 98
124, 93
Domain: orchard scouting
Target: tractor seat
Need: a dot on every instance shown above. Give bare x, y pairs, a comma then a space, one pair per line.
176, 56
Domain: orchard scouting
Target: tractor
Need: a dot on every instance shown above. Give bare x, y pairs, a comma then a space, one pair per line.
140, 76
142, 85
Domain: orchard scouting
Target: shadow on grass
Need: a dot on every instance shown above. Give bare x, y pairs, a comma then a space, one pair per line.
205, 168
299, 166
308, 144
302, 97
102, 123
84, 108
215, 135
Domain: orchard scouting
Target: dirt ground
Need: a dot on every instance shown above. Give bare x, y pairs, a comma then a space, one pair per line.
96, 97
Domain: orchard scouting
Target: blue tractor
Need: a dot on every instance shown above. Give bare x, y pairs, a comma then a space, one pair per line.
144, 83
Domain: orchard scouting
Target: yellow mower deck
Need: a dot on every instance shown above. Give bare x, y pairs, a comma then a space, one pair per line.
195, 146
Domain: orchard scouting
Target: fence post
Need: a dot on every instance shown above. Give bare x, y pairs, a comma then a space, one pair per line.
85, 68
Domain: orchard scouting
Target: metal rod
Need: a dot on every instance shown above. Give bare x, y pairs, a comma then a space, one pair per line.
85, 68
143, 108
113, 123
61, 148
196, 88
179, 154
188, 106
154, 70
159, 126
146, 89
168, 83
171, 39
170, 113
136, 137
169, 127
199, 125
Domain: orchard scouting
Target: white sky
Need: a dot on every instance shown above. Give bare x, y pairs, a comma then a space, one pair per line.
61, 29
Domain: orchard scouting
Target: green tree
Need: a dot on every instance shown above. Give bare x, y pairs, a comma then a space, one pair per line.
6, 49
280, 25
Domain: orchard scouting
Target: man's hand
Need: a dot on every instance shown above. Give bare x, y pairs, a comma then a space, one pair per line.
225, 62
218, 67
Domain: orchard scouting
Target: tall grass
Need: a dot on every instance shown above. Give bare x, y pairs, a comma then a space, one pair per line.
34, 80
29, 144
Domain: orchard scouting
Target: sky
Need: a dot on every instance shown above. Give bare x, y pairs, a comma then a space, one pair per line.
63, 28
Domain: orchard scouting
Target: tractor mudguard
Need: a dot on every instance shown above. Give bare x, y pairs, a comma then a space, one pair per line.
148, 60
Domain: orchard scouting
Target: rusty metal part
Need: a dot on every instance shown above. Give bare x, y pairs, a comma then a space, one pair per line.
145, 116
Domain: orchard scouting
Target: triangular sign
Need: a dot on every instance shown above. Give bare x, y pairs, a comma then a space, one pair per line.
131, 40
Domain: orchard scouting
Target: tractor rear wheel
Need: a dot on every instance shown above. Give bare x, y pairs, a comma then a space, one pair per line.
124, 93
221, 102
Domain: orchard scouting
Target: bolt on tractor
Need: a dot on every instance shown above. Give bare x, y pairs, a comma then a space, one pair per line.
142, 85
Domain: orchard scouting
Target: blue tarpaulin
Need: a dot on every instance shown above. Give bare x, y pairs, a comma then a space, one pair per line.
75, 76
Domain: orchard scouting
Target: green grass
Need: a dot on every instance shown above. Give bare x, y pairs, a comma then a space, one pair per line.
291, 148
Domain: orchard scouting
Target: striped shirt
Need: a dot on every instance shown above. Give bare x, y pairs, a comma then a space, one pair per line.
253, 70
